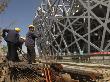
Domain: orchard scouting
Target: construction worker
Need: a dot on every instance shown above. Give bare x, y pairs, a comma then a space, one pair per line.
30, 44
20, 43
12, 39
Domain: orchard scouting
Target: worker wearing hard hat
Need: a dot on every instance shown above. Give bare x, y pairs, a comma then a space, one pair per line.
30, 44
12, 39
20, 43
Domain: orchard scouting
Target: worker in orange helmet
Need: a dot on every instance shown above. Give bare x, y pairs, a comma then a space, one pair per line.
11, 36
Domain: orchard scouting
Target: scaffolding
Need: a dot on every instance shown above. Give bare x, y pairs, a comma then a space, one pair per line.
73, 26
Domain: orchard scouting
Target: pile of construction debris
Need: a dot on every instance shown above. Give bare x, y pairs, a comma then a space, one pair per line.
22, 72
53, 72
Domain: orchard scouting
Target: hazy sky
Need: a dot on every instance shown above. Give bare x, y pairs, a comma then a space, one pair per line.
19, 13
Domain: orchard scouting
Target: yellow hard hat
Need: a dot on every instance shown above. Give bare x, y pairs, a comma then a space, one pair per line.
17, 29
31, 26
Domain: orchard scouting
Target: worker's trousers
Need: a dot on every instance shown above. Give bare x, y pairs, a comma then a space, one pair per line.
31, 54
12, 54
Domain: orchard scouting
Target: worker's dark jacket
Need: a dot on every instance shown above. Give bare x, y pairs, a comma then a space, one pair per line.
10, 36
30, 39
12, 39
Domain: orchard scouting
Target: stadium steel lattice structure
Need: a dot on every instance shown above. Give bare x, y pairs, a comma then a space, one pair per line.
73, 26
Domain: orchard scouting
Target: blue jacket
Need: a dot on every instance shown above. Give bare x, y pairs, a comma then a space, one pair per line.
30, 39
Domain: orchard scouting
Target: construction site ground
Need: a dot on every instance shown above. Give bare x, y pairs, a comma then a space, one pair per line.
78, 71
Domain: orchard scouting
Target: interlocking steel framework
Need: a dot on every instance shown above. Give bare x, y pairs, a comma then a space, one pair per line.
73, 26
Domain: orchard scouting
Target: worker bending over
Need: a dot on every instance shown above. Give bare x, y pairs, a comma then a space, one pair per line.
12, 39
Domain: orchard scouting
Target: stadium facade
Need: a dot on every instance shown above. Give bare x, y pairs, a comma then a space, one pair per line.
73, 26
